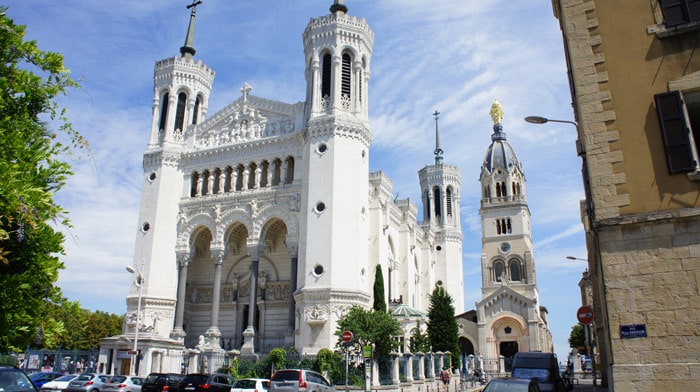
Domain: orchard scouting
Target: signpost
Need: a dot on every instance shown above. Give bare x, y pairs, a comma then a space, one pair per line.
585, 315
347, 339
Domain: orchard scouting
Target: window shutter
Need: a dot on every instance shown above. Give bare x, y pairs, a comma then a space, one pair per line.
675, 12
674, 132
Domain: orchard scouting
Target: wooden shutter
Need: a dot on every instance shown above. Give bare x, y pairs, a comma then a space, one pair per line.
675, 12
674, 132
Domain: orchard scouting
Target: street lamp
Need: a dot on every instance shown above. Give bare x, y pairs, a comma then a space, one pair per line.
576, 258
139, 283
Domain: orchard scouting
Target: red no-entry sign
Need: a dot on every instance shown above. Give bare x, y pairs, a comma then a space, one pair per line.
585, 314
347, 336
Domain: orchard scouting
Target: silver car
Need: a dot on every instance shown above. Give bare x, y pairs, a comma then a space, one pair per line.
123, 384
299, 380
59, 384
250, 385
87, 382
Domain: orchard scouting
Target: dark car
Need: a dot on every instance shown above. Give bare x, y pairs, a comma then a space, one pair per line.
299, 380
200, 382
541, 367
161, 382
511, 385
14, 380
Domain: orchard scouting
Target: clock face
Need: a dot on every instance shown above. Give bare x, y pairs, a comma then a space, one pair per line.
505, 247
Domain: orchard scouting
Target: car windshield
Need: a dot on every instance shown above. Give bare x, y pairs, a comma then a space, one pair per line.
245, 384
65, 378
117, 379
13, 380
539, 375
195, 379
291, 375
505, 386
85, 377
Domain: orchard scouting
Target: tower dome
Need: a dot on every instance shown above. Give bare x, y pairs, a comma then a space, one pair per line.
500, 153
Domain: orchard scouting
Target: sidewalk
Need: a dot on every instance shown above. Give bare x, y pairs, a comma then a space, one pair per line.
586, 385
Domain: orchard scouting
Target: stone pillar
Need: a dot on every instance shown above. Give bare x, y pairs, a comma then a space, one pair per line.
198, 190
183, 258
234, 178
501, 364
270, 170
293, 250
258, 174
210, 182
395, 380
222, 180
421, 366
440, 359
283, 172
213, 334
409, 367
248, 347
244, 183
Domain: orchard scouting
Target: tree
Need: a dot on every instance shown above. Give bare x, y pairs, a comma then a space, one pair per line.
577, 338
419, 340
443, 331
379, 303
371, 327
31, 172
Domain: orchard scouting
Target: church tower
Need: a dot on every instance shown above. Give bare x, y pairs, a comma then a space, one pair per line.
181, 87
440, 187
333, 266
510, 318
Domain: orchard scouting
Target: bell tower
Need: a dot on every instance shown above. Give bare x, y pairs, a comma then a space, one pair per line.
181, 87
338, 50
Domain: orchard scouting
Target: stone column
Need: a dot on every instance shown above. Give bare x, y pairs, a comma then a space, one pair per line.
283, 172
258, 174
246, 173
248, 347
270, 170
395, 380
234, 178
183, 258
222, 180
431, 363
211, 178
421, 366
198, 191
293, 251
409, 367
213, 334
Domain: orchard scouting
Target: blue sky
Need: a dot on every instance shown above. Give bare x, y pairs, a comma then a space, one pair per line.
452, 56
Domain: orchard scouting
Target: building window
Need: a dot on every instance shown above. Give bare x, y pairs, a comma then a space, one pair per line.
180, 112
680, 12
448, 194
503, 226
498, 271
197, 105
345, 79
500, 189
436, 199
326, 76
515, 274
163, 111
678, 132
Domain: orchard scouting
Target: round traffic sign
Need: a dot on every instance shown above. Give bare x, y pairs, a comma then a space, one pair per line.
347, 336
585, 314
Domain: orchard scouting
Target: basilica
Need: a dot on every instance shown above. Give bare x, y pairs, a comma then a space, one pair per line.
261, 225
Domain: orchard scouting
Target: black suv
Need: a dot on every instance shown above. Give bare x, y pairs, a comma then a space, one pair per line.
14, 380
197, 382
161, 382
541, 367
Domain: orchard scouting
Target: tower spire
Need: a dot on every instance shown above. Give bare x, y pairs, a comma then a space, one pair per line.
339, 5
187, 51
438, 150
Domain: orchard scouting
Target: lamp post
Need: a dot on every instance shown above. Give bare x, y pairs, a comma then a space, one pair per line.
588, 330
139, 283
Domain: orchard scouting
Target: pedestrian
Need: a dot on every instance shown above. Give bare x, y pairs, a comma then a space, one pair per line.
445, 377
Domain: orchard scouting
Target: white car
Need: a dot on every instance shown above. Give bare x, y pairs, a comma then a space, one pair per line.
250, 385
58, 384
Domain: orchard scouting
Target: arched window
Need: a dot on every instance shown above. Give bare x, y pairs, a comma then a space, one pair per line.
251, 175
290, 170
193, 184
326, 76
498, 270
437, 200
180, 112
487, 192
345, 86
276, 171
448, 194
239, 178
264, 174
205, 182
515, 270
197, 106
163, 111
426, 203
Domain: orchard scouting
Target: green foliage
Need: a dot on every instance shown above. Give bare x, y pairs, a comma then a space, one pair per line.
379, 302
278, 357
31, 172
419, 340
370, 327
577, 337
331, 363
443, 331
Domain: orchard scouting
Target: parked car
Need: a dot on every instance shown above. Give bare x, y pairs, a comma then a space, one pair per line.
14, 380
511, 385
161, 382
123, 384
202, 382
87, 382
251, 385
58, 384
41, 378
299, 380
541, 367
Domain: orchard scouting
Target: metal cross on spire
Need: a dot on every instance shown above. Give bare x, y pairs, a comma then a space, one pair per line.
188, 50
438, 150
